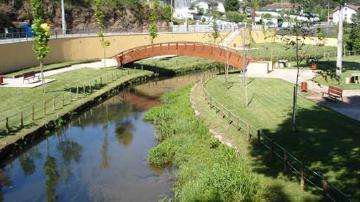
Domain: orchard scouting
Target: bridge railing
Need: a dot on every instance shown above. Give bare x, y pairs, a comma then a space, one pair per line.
180, 43
291, 164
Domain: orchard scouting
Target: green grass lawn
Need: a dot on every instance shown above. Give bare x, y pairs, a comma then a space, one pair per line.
17, 100
326, 141
178, 64
279, 51
351, 65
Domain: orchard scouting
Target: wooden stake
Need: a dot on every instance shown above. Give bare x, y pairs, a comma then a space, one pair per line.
285, 161
53, 103
33, 112
302, 180
7, 124
21, 119
44, 102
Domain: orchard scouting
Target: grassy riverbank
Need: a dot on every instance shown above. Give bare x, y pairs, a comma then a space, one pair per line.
325, 140
278, 51
61, 97
180, 64
207, 169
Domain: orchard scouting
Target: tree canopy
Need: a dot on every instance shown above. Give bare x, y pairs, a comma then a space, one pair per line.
232, 5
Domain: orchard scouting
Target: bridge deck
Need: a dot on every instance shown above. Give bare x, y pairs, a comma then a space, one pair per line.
203, 50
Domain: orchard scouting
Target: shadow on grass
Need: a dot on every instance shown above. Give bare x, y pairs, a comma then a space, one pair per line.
12, 130
160, 70
330, 65
327, 142
84, 89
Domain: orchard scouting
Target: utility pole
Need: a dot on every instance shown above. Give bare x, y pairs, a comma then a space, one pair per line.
63, 21
328, 12
339, 52
244, 65
172, 10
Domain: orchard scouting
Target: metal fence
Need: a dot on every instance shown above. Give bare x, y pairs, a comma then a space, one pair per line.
58, 33
31, 113
291, 164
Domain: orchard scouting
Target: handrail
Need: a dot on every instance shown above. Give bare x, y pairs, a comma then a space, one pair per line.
177, 43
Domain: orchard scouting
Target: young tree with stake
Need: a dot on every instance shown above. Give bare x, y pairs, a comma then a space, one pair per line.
42, 34
294, 39
153, 32
100, 16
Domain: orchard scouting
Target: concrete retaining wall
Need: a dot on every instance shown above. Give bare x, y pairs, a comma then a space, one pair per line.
16, 56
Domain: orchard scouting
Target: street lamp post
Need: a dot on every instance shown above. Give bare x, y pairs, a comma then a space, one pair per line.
63, 21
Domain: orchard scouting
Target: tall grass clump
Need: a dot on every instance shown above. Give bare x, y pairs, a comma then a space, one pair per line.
207, 170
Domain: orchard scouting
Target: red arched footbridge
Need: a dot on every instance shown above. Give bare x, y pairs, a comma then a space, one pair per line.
203, 50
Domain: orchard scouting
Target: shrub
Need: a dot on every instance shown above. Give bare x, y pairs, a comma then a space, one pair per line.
235, 16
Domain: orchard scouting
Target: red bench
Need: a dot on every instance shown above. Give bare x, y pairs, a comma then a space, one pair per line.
30, 75
1, 80
334, 93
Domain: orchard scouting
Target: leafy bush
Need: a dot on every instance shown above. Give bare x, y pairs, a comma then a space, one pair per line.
232, 5
235, 16
208, 170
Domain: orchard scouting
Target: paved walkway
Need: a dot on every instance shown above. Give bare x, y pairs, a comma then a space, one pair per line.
349, 107
19, 82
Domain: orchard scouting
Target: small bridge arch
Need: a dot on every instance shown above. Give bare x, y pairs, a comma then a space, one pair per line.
203, 50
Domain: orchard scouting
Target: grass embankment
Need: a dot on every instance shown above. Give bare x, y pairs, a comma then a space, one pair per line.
325, 140
207, 170
351, 65
180, 64
277, 51
46, 67
17, 100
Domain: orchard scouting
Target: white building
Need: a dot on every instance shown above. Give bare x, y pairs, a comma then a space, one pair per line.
182, 9
181, 4
348, 10
206, 5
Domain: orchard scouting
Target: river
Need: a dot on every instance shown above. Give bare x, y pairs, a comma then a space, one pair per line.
100, 155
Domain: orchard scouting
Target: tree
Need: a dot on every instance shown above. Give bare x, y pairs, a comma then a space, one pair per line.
215, 33
294, 39
153, 32
339, 52
100, 17
353, 42
254, 4
42, 35
232, 5
235, 16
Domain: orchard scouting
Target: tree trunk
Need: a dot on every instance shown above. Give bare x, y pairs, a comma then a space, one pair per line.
339, 45
296, 86
104, 56
42, 76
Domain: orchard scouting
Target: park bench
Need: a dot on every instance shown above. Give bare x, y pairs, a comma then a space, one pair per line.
283, 63
1, 80
334, 93
30, 75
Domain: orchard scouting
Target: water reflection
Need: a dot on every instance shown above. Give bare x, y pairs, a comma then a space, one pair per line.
52, 175
99, 156
105, 148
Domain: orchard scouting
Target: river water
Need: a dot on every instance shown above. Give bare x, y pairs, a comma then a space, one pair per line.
101, 155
